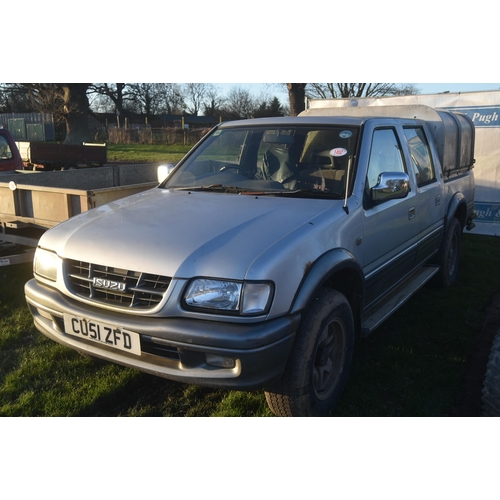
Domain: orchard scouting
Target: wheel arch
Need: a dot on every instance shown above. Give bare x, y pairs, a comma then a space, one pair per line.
338, 270
457, 208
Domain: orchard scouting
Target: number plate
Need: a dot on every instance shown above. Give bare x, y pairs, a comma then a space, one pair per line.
103, 334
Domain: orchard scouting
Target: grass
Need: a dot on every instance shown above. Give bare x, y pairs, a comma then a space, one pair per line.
147, 153
413, 365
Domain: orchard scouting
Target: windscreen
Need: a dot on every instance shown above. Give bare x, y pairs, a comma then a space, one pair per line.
270, 160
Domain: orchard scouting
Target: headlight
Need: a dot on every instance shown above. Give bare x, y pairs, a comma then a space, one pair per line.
228, 296
45, 264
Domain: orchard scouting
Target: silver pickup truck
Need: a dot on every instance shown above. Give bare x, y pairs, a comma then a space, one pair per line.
266, 252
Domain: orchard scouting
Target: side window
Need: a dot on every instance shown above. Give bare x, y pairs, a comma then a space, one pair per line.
5, 152
385, 156
420, 155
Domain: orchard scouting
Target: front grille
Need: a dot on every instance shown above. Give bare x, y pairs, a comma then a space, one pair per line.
114, 286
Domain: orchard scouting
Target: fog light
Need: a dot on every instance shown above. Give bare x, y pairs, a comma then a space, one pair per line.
220, 361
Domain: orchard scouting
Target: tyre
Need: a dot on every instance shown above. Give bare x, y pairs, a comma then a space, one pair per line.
449, 255
491, 389
319, 363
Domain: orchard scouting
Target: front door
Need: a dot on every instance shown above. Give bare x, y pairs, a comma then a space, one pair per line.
391, 228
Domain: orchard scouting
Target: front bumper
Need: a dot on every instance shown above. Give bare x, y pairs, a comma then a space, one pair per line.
176, 348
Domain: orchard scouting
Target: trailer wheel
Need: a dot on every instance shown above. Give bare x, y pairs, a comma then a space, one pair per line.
318, 366
491, 388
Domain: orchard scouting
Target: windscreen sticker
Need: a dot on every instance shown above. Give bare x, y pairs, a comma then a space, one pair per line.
338, 152
218, 132
345, 134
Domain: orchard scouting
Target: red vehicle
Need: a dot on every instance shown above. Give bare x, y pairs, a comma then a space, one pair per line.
10, 159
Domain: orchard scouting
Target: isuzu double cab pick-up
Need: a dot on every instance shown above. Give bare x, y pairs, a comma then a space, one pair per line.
266, 252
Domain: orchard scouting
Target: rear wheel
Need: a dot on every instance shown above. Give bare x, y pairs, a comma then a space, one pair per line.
449, 255
318, 366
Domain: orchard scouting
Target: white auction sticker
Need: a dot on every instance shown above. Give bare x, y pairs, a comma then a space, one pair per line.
338, 152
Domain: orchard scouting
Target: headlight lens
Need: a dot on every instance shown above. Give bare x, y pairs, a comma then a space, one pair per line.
228, 296
214, 294
45, 264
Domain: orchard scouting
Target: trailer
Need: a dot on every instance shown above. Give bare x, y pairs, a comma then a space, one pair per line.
32, 202
57, 156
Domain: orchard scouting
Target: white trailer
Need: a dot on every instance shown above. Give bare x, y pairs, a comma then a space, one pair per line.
484, 110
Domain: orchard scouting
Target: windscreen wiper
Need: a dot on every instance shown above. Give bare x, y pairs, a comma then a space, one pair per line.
300, 193
210, 187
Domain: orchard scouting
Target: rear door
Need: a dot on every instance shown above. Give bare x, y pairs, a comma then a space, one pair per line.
430, 207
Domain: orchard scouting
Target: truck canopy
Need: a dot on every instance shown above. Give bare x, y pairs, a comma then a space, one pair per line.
453, 132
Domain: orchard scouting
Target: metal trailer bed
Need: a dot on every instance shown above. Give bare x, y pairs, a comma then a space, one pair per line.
32, 202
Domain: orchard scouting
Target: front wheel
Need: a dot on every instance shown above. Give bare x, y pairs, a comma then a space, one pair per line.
318, 366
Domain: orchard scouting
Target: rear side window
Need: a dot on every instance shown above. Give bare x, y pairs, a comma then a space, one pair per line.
420, 155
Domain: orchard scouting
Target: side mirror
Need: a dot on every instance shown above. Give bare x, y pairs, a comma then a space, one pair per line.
164, 171
391, 186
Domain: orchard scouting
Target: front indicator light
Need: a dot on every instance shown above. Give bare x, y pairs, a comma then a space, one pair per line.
256, 298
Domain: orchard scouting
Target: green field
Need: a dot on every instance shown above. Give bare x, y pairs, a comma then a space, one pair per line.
146, 153
413, 365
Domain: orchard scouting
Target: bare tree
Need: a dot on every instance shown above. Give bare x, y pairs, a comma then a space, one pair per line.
13, 99
173, 99
195, 95
147, 98
100, 103
239, 104
214, 102
119, 93
68, 103
345, 90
